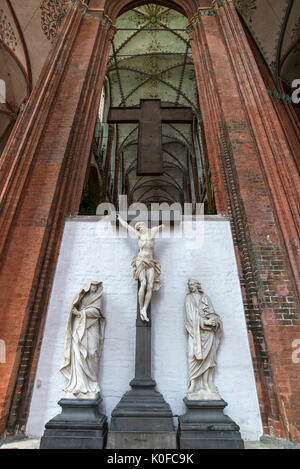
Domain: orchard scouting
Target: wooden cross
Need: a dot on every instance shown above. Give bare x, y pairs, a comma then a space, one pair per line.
150, 116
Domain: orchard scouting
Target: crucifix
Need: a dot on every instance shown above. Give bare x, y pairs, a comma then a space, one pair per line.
150, 116
143, 419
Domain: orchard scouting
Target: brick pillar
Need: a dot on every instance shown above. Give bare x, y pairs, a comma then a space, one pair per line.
256, 183
42, 173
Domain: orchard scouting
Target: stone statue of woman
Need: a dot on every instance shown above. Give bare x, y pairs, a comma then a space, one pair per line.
204, 328
84, 343
145, 268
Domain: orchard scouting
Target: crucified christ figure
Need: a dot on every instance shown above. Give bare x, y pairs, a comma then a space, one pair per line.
145, 268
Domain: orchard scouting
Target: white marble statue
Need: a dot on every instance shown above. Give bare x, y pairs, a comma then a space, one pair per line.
145, 268
204, 328
84, 343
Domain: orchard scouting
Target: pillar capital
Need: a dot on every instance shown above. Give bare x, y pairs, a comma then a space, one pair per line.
94, 13
205, 11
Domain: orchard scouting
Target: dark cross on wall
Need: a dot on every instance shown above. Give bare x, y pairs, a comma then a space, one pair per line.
150, 116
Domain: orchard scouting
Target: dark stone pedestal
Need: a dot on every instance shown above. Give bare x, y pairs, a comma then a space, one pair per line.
204, 426
142, 420
79, 426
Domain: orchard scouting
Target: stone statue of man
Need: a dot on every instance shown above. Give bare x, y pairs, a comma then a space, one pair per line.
145, 268
84, 343
204, 329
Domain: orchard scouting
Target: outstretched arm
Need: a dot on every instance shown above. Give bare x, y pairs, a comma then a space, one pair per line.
156, 230
126, 226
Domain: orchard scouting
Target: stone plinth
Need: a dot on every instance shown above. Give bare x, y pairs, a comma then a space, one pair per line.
79, 426
205, 426
142, 420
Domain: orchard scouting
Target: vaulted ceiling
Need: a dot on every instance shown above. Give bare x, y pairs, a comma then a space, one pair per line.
28, 29
275, 27
151, 59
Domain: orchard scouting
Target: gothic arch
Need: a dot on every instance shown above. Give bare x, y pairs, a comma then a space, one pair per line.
114, 8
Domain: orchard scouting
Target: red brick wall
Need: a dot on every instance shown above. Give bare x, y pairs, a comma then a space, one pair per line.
246, 144
42, 176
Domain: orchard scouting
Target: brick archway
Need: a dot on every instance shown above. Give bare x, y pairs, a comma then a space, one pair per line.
115, 8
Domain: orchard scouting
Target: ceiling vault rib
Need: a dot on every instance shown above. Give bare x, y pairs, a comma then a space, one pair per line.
182, 135
20, 32
158, 189
151, 61
282, 35
128, 40
172, 31
182, 72
123, 102
289, 51
145, 73
124, 144
152, 79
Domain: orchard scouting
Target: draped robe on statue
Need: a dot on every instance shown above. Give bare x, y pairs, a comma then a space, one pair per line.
84, 343
203, 341
140, 264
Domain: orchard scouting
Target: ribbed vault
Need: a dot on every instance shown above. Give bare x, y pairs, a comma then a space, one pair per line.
151, 59
275, 28
150, 47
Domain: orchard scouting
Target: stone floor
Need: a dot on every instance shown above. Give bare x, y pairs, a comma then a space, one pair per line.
257, 445
21, 444
34, 444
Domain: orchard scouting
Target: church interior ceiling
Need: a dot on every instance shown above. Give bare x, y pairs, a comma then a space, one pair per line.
27, 31
151, 59
275, 28
148, 54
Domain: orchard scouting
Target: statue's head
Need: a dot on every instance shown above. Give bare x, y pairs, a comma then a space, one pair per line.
141, 227
195, 286
94, 287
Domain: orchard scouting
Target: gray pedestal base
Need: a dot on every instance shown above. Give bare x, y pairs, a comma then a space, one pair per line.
138, 440
79, 426
142, 420
204, 426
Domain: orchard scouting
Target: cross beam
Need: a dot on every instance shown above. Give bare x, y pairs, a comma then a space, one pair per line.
150, 116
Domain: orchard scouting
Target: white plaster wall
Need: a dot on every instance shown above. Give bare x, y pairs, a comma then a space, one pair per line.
86, 256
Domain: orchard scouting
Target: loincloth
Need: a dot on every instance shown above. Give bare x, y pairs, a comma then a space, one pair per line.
141, 265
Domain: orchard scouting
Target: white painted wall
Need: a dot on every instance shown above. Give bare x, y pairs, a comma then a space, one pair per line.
86, 256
